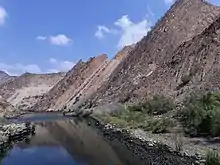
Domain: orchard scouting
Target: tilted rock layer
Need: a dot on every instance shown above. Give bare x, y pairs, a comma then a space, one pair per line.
98, 78
80, 82
151, 68
69, 85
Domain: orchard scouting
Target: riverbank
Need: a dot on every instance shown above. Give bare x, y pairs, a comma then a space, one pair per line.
148, 151
142, 144
10, 133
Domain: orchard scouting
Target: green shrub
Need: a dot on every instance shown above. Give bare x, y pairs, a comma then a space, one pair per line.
212, 158
161, 125
136, 108
158, 105
201, 115
119, 122
142, 115
157, 125
136, 119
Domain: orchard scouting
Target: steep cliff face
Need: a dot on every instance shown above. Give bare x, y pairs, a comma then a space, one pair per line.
142, 74
99, 77
195, 64
26, 85
79, 76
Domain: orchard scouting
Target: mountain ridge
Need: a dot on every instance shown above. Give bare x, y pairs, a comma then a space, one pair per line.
80, 82
28, 84
130, 82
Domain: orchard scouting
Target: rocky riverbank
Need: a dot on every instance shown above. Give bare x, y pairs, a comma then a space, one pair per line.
14, 132
149, 152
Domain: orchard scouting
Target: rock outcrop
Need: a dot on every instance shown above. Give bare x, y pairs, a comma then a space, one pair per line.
27, 85
4, 77
6, 108
99, 77
28, 102
146, 71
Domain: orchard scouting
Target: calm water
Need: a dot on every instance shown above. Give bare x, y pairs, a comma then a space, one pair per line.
67, 142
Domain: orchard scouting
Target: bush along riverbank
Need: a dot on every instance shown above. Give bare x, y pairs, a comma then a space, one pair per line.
188, 128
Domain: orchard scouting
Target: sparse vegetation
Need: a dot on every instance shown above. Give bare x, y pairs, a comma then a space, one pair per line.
158, 105
212, 158
201, 115
161, 125
119, 122
145, 115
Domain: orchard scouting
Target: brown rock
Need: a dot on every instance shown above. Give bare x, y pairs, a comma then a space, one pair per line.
59, 95
146, 65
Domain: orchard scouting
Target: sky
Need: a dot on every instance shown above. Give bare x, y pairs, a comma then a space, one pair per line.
44, 36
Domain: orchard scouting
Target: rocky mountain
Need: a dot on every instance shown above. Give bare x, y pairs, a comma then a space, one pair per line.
4, 77
138, 71
80, 82
169, 52
27, 88
178, 55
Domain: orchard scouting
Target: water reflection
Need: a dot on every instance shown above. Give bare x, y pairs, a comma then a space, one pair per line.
39, 155
68, 142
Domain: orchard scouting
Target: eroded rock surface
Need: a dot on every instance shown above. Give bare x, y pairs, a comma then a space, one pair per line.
70, 84
146, 71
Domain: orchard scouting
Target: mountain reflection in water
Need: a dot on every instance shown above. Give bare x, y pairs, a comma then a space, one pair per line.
67, 142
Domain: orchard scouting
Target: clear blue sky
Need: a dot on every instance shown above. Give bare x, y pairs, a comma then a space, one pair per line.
51, 35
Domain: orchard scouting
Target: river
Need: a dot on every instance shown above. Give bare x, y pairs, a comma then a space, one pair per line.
66, 141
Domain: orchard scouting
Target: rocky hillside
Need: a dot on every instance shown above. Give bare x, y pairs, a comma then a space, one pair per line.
4, 77
6, 108
171, 50
70, 83
80, 82
195, 64
20, 89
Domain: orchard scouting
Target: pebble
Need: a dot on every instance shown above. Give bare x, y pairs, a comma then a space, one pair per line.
147, 150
